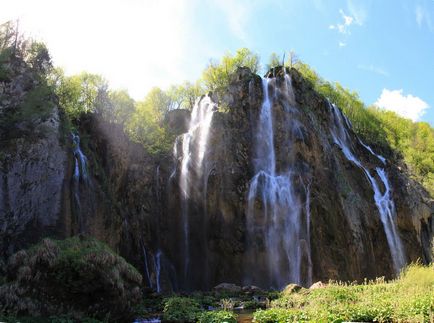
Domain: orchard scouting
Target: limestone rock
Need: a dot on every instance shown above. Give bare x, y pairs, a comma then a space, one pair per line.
227, 287
291, 288
317, 285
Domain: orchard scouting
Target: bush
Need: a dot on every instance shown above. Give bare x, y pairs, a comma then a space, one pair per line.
277, 315
182, 309
217, 317
80, 277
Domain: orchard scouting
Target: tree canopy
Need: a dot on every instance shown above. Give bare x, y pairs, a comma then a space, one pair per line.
217, 74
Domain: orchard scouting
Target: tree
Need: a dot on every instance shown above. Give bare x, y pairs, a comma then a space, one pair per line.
273, 61
183, 96
78, 93
217, 74
292, 59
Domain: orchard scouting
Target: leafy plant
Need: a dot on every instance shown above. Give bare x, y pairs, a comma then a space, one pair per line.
217, 317
183, 309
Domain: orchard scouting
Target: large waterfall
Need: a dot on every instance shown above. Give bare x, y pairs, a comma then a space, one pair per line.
383, 201
277, 220
194, 146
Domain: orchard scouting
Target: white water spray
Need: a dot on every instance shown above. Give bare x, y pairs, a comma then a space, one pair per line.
275, 229
383, 201
194, 145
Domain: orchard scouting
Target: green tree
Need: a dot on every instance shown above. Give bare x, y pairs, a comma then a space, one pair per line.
183, 96
121, 106
273, 61
146, 123
217, 74
78, 93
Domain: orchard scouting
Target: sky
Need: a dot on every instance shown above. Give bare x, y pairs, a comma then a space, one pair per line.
382, 49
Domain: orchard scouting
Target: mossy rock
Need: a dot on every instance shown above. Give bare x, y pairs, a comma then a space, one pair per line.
79, 276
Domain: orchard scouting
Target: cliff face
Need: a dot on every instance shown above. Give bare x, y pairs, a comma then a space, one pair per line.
33, 178
267, 187
326, 206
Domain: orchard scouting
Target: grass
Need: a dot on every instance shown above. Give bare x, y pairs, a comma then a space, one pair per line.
410, 298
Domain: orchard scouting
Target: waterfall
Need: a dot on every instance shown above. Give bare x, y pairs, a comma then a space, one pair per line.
145, 260
80, 170
80, 176
383, 201
194, 145
157, 263
274, 229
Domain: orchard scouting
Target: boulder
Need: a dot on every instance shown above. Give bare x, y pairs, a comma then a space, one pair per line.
227, 287
317, 285
291, 288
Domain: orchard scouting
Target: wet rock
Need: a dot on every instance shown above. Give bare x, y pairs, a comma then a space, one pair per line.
318, 285
227, 287
291, 288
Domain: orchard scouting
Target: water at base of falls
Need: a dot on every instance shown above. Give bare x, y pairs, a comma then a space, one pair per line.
275, 213
383, 201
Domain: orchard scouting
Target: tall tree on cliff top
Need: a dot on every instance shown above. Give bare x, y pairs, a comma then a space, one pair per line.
217, 74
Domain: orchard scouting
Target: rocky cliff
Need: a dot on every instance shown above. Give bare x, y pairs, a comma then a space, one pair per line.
269, 185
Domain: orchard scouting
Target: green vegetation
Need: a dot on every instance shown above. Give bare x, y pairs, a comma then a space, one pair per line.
79, 277
217, 317
217, 74
413, 141
31, 97
407, 299
182, 309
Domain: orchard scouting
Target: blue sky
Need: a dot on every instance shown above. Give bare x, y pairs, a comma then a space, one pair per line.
384, 49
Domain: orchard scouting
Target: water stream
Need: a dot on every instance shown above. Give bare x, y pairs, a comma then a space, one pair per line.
275, 211
194, 146
383, 201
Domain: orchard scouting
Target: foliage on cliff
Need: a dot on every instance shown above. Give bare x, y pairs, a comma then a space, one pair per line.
395, 136
25, 94
79, 276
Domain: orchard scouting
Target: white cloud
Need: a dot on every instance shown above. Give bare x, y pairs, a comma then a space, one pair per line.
423, 17
374, 69
408, 106
344, 27
134, 44
357, 12
342, 44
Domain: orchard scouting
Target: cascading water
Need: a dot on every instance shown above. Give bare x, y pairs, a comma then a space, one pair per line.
145, 261
80, 170
275, 231
194, 144
80, 175
383, 201
157, 263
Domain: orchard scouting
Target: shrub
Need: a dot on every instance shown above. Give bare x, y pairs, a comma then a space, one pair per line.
277, 315
80, 277
182, 309
217, 317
